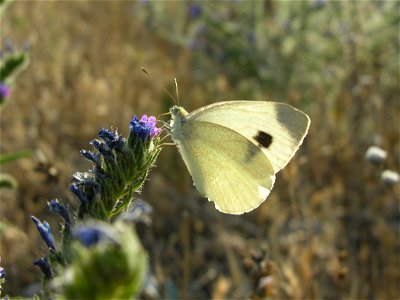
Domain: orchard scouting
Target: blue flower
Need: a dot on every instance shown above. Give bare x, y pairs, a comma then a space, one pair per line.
139, 211
87, 180
93, 157
103, 149
88, 236
319, 3
78, 193
145, 127
194, 10
2, 272
45, 232
136, 127
91, 234
44, 266
112, 139
59, 209
8, 46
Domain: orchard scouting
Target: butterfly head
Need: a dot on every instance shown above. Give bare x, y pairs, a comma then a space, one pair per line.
178, 116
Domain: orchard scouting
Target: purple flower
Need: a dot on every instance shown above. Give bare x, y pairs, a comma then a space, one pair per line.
194, 10
45, 232
44, 266
4, 90
145, 127
150, 122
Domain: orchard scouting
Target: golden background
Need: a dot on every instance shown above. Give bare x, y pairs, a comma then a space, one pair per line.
329, 229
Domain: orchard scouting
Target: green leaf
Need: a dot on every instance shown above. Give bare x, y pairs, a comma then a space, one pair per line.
6, 158
12, 65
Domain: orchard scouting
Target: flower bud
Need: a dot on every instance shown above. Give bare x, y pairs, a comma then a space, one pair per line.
108, 263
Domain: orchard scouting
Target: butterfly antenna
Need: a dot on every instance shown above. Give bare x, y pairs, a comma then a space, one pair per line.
159, 85
176, 89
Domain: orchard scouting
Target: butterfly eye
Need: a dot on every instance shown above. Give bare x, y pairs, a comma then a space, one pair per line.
174, 110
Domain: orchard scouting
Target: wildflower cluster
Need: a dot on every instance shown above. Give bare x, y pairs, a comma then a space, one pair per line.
95, 240
120, 168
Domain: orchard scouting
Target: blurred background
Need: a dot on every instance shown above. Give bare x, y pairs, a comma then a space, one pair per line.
329, 229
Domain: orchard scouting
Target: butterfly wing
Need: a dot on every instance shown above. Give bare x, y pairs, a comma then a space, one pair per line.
225, 167
276, 128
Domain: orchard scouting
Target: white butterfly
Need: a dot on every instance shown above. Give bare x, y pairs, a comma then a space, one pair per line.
234, 149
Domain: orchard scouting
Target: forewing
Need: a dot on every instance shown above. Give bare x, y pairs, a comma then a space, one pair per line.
277, 129
226, 168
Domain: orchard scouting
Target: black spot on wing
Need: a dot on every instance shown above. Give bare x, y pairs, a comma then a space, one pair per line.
263, 139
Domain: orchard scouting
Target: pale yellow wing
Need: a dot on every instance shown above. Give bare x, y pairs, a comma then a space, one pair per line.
278, 129
225, 166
